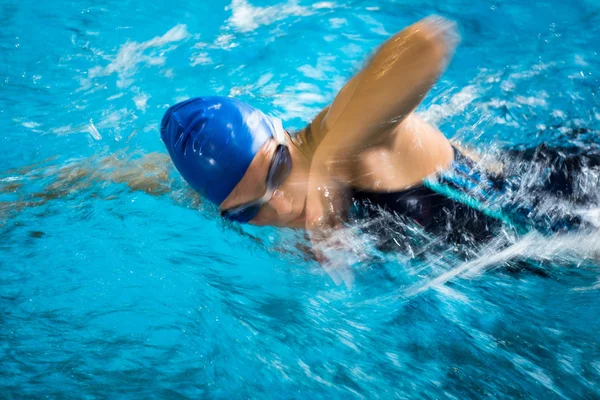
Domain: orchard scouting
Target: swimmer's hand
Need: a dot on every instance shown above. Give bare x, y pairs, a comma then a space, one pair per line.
324, 218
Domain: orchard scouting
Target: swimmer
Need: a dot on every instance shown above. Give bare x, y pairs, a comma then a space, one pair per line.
364, 154
367, 148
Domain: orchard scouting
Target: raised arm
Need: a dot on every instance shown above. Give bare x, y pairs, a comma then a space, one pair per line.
386, 91
379, 97
389, 88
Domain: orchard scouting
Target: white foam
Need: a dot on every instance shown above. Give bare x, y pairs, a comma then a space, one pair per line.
93, 131
246, 17
533, 71
508, 86
309, 374
535, 246
592, 216
141, 101
323, 71
131, 54
30, 125
225, 41
376, 26
311, 72
302, 101
537, 101
352, 49
579, 60
168, 73
457, 103
264, 79
115, 96
338, 22
324, 4
200, 59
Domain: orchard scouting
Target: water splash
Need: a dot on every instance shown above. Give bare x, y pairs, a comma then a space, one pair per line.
560, 249
151, 53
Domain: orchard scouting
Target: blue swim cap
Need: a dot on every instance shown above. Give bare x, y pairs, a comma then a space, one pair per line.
213, 140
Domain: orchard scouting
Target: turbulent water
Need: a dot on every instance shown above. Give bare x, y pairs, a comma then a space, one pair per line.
117, 281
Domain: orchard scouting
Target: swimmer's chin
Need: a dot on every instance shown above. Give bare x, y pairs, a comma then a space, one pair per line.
293, 222
300, 221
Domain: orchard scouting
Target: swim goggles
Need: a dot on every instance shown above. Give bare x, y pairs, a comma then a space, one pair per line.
279, 170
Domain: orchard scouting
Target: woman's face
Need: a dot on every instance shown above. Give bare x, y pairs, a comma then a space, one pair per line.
286, 207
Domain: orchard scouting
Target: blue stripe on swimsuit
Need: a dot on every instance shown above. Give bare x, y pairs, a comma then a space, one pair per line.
454, 203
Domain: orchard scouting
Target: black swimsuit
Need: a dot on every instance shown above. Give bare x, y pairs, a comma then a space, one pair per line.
454, 204
462, 204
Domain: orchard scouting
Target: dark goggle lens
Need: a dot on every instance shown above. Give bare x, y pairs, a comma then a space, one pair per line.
242, 214
280, 168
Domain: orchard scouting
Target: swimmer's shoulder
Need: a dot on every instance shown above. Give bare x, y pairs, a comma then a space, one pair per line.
309, 138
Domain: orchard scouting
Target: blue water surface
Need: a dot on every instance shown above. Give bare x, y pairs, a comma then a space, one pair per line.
110, 292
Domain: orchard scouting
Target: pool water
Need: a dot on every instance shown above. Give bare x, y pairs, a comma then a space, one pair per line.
111, 292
